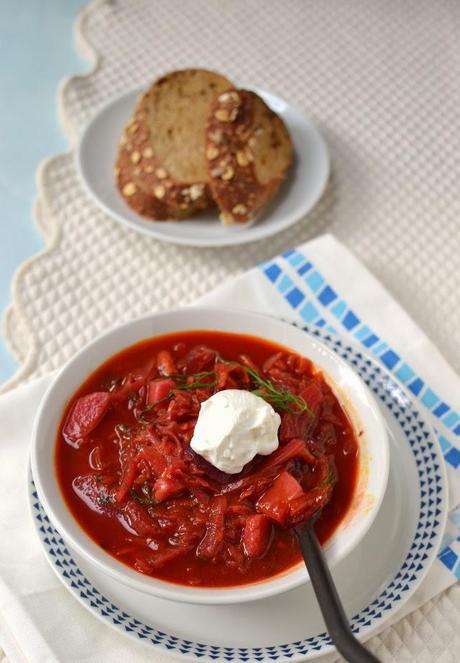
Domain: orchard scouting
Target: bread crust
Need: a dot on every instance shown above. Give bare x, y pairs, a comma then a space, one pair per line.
161, 169
248, 151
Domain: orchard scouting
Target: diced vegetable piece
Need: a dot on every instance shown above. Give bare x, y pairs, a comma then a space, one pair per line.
199, 358
312, 396
132, 383
160, 558
182, 406
236, 557
135, 517
257, 534
165, 363
213, 539
324, 471
274, 503
282, 379
85, 416
158, 389
300, 365
294, 449
327, 435
166, 487
271, 361
225, 374
303, 507
154, 458
297, 426
94, 494
247, 361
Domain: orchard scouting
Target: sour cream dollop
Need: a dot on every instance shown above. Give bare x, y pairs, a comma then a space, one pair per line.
233, 426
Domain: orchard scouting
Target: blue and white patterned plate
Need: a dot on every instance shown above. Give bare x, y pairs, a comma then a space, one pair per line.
374, 581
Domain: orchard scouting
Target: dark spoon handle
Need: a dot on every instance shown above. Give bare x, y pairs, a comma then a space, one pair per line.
328, 598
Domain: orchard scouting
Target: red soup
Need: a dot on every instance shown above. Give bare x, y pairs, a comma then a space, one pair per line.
132, 481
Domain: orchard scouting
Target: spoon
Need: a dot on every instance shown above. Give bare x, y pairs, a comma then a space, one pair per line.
329, 601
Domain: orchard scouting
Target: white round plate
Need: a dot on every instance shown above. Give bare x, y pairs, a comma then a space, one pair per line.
374, 581
304, 186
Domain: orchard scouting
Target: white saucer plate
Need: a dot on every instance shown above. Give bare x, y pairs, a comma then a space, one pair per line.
374, 581
304, 186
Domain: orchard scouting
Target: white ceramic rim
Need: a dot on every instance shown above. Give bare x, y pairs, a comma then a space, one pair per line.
219, 319
253, 232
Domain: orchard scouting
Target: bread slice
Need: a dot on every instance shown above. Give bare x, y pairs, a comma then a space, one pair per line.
248, 152
161, 168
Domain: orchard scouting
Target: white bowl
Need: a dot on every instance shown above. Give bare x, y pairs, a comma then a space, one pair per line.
352, 392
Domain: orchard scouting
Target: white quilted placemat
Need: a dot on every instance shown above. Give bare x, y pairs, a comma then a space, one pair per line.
381, 80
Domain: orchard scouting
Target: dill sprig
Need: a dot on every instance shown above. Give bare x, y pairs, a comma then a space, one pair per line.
113, 384
104, 499
145, 497
195, 376
278, 397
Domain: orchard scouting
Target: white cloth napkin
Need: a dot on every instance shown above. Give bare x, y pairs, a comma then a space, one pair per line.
320, 283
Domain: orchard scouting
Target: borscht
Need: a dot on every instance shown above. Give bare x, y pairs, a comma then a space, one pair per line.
135, 485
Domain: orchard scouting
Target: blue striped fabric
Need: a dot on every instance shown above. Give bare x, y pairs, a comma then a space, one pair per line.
315, 301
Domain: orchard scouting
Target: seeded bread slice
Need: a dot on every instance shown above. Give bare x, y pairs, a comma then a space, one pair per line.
161, 169
248, 152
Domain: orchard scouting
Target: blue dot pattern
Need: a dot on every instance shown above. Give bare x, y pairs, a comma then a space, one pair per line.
418, 558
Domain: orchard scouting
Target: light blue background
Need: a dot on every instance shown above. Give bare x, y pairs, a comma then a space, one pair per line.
37, 51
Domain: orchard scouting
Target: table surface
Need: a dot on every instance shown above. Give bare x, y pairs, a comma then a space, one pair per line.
370, 74
29, 74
